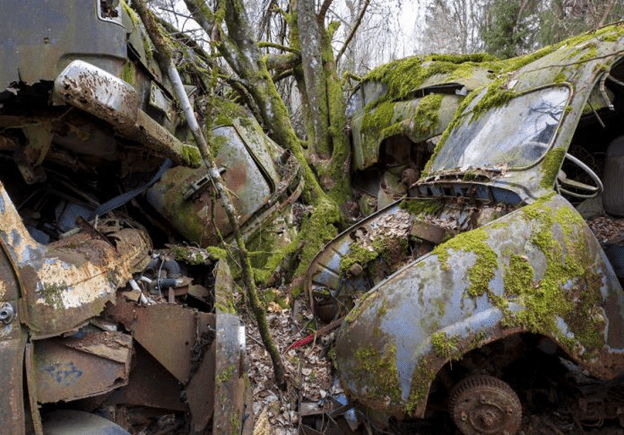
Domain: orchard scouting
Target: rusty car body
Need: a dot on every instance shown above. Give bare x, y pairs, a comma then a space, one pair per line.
491, 264
113, 315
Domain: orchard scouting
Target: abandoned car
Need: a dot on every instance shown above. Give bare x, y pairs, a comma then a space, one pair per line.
397, 113
488, 278
113, 315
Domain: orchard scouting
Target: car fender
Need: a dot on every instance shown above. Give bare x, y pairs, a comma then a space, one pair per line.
538, 269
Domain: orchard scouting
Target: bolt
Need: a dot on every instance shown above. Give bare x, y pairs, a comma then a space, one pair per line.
464, 416
7, 313
482, 399
510, 410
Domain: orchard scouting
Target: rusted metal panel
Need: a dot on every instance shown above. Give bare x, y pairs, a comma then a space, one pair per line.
201, 392
75, 368
12, 343
230, 415
31, 382
149, 385
9, 287
167, 331
115, 101
53, 37
99, 93
78, 275
196, 215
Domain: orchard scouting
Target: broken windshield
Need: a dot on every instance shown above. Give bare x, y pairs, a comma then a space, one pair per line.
514, 135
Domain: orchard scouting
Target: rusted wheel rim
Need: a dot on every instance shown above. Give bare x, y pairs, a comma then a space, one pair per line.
485, 405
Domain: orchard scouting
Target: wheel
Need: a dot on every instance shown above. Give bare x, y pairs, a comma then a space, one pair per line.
485, 405
67, 422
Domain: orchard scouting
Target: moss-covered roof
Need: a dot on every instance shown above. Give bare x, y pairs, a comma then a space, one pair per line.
403, 76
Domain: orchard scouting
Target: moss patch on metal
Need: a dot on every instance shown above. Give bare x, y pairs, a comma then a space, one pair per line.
569, 288
381, 367
227, 374
52, 295
421, 207
424, 375
403, 76
444, 346
191, 156
486, 262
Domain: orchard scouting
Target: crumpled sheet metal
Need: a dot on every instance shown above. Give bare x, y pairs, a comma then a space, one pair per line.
77, 276
75, 368
394, 327
325, 271
231, 414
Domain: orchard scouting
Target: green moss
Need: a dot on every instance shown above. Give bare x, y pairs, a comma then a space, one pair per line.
128, 73
421, 207
423, 376
444, 346
227, 374
589, 54
550, 167
380, 367
548, 299
191, 155
403, 76
426, 117
357, 254
518, 275
131, 14
235, 421
227, 306
560, 77
217, 253
482, 272
613, 37
463, 58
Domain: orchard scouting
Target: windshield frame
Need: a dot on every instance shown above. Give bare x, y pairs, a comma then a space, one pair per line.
473, 107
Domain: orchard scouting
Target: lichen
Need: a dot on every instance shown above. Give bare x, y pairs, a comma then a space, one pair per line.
52, 294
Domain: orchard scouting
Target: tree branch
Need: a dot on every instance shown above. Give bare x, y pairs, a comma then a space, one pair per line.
606, 13
323, 12
358, 21
279, 63
264, 44
164, 57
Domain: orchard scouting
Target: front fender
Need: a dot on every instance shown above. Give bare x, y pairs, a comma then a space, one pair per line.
538, 269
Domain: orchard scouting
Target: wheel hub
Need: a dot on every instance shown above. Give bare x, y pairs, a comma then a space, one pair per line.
485, 405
